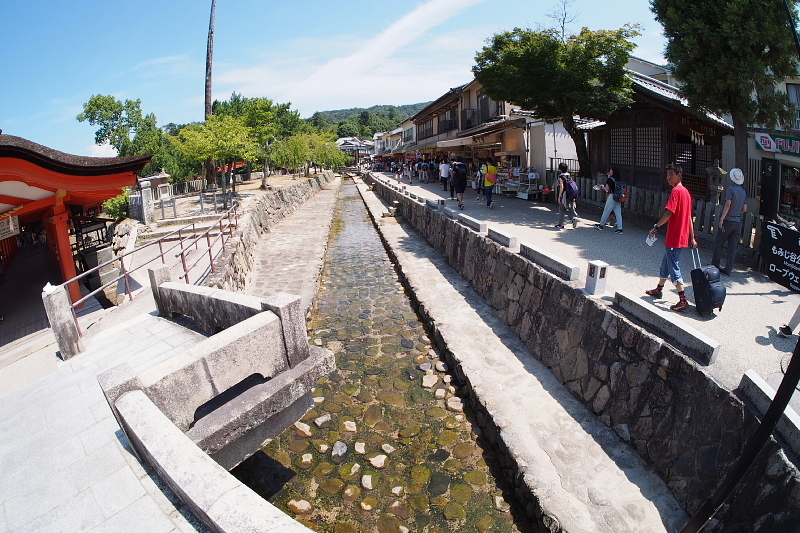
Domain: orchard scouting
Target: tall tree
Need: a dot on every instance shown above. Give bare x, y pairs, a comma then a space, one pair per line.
585, 75
729, 56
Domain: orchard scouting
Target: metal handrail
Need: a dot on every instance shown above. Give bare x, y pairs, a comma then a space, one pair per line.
125, 274
210, 245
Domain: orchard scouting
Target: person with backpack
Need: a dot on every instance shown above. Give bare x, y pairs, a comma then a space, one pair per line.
459, 180
567, 194
613, 200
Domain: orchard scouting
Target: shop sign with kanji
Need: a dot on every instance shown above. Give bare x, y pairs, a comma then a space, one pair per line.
780, 250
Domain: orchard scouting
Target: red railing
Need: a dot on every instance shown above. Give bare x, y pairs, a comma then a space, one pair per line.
225, 232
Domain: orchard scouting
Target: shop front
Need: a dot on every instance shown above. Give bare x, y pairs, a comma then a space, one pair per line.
780, 175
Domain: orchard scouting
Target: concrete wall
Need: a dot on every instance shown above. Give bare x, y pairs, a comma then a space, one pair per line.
688, 427
234, 263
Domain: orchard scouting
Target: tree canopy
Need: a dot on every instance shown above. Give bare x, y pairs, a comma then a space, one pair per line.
729, 56
559, 78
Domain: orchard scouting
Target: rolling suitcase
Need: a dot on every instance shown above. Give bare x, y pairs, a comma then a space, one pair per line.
709, 292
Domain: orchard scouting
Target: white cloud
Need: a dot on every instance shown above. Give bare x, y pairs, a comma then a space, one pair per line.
397, 65
102, 150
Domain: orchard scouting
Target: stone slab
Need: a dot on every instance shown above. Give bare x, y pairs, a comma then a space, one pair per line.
477, 225
701, 347
761, 394
509, 241
551, 263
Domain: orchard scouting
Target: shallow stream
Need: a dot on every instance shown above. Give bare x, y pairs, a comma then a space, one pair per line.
386, 446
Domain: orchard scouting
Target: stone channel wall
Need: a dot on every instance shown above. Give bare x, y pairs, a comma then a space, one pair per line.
233, 265
676, 416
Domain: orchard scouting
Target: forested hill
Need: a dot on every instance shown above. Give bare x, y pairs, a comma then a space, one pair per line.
401, 111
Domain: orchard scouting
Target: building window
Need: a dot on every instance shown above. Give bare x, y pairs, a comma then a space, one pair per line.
408, 135
793, 90
648, 147
620, 143
426, 129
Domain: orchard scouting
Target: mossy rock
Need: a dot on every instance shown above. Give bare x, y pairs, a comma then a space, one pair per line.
420, 396
388, 524
283, 458
411, 430
454, 511
333, 436
365, 396
324, 469
420, 475
351, 493
453, 465
373, 415
420, 502
439, 501
400, 509
461, 493
402, 384
464, 450
382, 425
391, 398
311, 415
485, 524
385, 383
350, 388
349, 471
331, 485
452, 422
320, 445
447, 438
436, 412
476, 477
298, 445
332, 407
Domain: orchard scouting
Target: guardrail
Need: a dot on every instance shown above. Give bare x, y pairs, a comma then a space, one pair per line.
68, 332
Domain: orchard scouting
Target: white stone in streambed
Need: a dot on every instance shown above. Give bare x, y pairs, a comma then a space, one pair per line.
349, 425
379, 461
299, 506
397, 491
366, 481
339, 449
429, 380
360, 447
303, 429
455, 404
439, 394
388, 448
319, 421
441, 366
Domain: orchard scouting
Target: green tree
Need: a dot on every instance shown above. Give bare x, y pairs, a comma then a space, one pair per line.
585, 75
292, 152
348, 129
324, 152
730, 55
222, 138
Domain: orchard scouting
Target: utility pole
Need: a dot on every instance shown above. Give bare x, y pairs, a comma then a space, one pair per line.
209, 59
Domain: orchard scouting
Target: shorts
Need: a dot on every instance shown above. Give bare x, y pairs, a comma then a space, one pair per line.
671, 265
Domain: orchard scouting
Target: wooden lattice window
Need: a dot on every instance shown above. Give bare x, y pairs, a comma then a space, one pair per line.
648, 147
620, 144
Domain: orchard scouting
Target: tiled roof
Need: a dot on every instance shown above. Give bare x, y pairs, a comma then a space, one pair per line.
12, 146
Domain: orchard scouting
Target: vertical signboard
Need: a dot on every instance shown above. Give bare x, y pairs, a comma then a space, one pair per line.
9, 227
780, 250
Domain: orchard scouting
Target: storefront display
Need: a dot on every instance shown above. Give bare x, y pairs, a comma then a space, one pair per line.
790, 192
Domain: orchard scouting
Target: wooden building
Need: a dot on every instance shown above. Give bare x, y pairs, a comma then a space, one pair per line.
657, 129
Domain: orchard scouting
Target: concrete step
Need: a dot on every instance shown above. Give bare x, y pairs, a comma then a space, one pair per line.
25, 346
177, 222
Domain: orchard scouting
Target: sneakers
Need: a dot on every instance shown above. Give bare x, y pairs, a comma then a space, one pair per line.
655, 293
491, 205
574, 223
681, 305
784, 331
559, 226
461, 206
618, 231
599, 226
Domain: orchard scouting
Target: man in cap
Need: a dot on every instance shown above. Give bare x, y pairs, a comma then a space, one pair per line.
729, 229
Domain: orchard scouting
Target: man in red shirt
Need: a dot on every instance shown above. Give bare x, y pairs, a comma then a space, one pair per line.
680, 234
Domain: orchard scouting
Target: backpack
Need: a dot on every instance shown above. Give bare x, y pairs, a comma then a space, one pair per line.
570, 187
460, 171
620, 192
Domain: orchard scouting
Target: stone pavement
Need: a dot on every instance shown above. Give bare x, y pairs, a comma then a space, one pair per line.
746, 327
290, 259
65, 463
578, 468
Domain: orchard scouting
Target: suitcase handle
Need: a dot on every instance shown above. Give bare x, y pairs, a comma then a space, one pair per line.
697, 263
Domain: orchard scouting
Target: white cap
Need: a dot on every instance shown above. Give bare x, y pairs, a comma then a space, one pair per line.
736, 176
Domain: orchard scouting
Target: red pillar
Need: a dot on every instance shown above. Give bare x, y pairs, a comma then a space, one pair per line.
62, 250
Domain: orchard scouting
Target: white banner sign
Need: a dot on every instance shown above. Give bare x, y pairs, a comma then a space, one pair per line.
9, 227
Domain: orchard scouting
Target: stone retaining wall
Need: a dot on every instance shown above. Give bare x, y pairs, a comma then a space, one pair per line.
687, 426
233, 265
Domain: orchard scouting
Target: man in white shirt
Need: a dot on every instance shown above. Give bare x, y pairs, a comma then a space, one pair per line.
444, 173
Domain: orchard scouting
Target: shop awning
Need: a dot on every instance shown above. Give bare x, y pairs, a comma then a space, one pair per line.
449, 143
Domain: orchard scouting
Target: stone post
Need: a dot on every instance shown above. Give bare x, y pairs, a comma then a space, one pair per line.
148, 209
58, 307
596, 277
289, 309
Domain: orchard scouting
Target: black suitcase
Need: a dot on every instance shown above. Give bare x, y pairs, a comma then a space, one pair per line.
709, 292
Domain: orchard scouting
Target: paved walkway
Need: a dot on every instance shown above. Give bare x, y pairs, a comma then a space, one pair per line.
65, 464
746, 326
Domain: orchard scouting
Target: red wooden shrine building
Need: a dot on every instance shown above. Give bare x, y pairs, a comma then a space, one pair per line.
41, 187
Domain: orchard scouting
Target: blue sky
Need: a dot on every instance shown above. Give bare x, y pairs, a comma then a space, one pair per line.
316, 55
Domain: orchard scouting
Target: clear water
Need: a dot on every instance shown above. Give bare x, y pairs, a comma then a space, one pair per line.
410, 464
